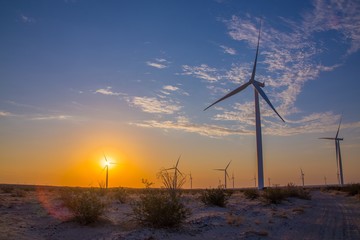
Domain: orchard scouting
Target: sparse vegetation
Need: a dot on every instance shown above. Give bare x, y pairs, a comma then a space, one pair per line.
85, 205
216, 197
121, 194
251, 193
273, 195
160, 209
17, 192
292, 190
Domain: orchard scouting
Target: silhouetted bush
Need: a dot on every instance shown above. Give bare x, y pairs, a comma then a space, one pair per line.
160, 209
121, 194
86, 205
292, 190
217, 197
352, 189
274, 195
251, 193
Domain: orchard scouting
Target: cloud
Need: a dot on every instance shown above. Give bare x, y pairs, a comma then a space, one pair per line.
107, 91
170, 88
52, 117
159, 63
26, 19
228, 50
203, 72
5, 114
154, 105
183, 124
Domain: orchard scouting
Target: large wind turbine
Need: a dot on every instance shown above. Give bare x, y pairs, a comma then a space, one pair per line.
107, 163
257, 90
176, 171
338, 154
225, 172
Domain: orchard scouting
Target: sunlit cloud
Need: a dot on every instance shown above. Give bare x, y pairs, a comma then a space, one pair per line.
170, 88
154, 105
52, 117
159, 63
107, 91
203, 72
5, 114
228, 50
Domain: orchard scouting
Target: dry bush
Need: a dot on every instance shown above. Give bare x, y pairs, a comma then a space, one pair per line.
121, 194
86, 205
235, 220
216, 197
292, 190
251, 193
17, 192
273, 195
160, 209
7, 188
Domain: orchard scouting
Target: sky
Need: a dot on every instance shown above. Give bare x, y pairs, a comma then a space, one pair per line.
130, 80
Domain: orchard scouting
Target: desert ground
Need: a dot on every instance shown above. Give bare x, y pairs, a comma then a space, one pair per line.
38, 213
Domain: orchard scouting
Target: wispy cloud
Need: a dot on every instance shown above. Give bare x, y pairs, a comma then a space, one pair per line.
203, 72
52, 117
228, 50
108, 91
27, 19
5, 114
159, 63
154, 105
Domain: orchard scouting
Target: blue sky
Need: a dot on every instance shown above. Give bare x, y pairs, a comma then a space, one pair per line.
149, 68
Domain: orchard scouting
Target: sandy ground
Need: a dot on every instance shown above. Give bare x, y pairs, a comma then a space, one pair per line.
41, 215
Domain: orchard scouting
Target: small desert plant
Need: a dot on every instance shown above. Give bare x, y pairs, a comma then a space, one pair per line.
86, 205
273, 195
217, 197
171, 181
7, 189
121, 195
251, 193
160, 209
17, 192
352, 189
298, 192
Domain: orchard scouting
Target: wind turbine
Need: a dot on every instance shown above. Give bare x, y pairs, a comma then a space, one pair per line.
190, 181
257, 90
233, 180
302, 177
225, 172
338, 154
176, 171
107, 163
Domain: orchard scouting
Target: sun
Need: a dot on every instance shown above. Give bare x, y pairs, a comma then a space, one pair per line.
107, 161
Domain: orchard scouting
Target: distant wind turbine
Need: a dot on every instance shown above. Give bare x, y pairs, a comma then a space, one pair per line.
233, 180
191, 181
257, 90
302, 177
176, 171
338, 154
225, 173
107, 163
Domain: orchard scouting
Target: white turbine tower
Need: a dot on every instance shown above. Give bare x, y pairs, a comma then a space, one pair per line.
176, 171
338, 154
225, 173
107, 164
257, 90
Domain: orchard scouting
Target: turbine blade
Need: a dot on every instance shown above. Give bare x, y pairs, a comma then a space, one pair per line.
227, 174
105, 157
219, 169
256, 56
239, 89
228, 165
328, 138
178, 171
178, 161
258, 88
337, 133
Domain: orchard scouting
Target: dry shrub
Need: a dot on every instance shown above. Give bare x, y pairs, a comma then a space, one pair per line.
121, 195
292, 190
216, 197
18, 193
235, 220
251, 193
86, 206
7, 189
273, 195
160, 209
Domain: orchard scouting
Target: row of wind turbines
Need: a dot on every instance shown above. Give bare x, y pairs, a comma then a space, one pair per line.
260, 169
257, 90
